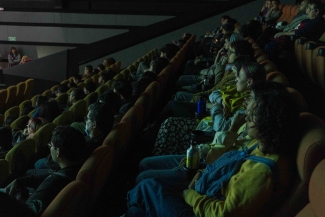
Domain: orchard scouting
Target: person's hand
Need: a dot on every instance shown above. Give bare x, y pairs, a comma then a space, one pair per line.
25, 132
194, 180
237, 122
185, 192
226, 110
278, 34
11, 188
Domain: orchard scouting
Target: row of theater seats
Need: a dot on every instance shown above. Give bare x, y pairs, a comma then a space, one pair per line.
108, 164
15, 94
20, 158
306, 194
310, 57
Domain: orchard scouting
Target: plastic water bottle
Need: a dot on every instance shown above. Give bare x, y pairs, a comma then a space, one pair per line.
201, 106
192, 155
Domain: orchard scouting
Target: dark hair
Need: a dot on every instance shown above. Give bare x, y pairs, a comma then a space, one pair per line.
170, 50
16, 52
102, 114
159, 64
108, 75
72, 84
140, 86
70, 141
255, 71
276, 118
228, 27
90, 86
77, 76
36, 123
226, 17
101, 67
95, 71
40, 100
78, 93
89, 68
111, 60
49, 110
63, 88
9, 120
27, 109
242, 47
317, 6
112, 99
5, 138
124, 88
241, 60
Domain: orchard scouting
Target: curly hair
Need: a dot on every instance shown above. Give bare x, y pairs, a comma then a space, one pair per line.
242, 47
276, 118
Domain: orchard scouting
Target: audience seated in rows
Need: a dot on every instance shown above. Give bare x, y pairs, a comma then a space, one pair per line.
215, 193
67, 148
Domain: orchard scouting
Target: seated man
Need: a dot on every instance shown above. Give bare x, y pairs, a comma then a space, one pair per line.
88, 72
67, 148
124, 90
108, 62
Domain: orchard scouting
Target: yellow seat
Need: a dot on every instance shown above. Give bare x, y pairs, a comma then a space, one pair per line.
4, 170
95, 78
110, 84
31, 113
42, 137
91, 98
79, 109
62, 99
20, 93
81, 85
47, 93
70, 90
54, 88
65, 82
88, 80
126, 74
29, 88
73, 200
20, 156
26, 103
13, 111
33, 99
66, 118
20, 123
3, 99
118, 77
101, 89
95, 171
11, 95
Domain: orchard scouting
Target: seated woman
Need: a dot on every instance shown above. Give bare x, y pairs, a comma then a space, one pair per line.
33, 125
13, 57
246, 191
174, 134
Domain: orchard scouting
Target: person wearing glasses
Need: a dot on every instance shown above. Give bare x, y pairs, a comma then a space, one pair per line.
33, 125
67, 148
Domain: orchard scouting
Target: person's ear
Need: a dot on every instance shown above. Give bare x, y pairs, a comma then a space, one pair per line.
94, 124
249, 82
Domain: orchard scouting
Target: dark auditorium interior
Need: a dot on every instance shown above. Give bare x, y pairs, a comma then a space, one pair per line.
57, 39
